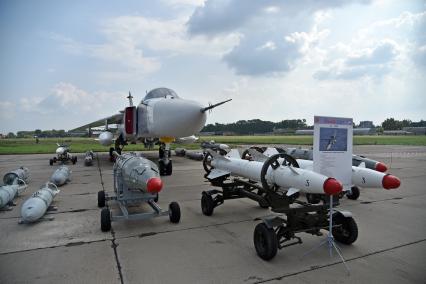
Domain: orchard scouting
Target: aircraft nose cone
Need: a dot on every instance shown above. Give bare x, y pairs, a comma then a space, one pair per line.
380, 167
154, 185
332, 186
390, 182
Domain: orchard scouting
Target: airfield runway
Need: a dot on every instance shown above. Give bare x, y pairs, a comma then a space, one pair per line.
391, 247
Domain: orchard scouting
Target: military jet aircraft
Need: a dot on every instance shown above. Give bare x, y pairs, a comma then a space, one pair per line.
162, 117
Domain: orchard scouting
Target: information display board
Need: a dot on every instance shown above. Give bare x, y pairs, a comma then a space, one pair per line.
333, 148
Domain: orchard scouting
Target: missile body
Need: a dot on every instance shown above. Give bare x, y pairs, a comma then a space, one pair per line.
363, 177
294, 179
21, 173
307, 154
198, 156
10, 191
36, 206
137, 173
61, 176
88, 159
180, 152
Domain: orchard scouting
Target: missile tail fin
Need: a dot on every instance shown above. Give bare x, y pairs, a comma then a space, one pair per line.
215, 173
234, 154
257, 156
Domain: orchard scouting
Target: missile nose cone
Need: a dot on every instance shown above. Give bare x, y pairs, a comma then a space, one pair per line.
332, 186
390, 182
154, 185
380, 167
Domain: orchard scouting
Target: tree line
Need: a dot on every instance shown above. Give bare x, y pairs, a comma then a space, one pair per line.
241, 127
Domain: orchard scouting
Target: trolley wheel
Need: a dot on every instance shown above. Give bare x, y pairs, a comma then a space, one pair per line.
105, 220
347, 233
174, 212
74, 160
265, 241
55, 159
207, 204
101, 199
354, 195
51, 162
313, 198
156, 197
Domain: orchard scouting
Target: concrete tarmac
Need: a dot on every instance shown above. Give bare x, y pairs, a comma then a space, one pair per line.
69, 247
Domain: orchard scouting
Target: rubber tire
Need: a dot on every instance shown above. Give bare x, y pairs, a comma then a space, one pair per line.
265, 241
174, 212
105, 220
349, 227
74, 160
312, 198
101, 199
169, 168
207, 204
51, 162
162, 168
55, 159
354, 195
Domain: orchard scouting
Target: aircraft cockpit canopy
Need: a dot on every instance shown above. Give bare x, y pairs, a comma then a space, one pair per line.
161, 93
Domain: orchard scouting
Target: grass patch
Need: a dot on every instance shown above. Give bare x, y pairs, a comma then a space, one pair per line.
79, 145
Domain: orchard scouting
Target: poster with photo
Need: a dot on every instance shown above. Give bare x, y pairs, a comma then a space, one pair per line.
333, 148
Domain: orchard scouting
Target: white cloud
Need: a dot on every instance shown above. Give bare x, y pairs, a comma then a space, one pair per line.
276, 35
7, 110
374, 62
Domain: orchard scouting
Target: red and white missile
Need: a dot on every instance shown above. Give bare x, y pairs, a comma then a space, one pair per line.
294, 179
363, 177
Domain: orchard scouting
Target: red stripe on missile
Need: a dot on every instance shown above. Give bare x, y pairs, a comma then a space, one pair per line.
380, 167
332, 186
390, 182
154, 185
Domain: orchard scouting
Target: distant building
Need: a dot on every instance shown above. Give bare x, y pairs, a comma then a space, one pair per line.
415, 130
366, 124
365, 131
304, 132
396, 132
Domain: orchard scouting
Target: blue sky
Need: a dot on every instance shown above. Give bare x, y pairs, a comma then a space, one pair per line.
67, 63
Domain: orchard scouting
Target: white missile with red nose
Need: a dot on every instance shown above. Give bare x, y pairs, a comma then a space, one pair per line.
363, 177
284, 176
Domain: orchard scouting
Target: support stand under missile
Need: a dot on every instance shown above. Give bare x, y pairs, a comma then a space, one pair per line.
329, 241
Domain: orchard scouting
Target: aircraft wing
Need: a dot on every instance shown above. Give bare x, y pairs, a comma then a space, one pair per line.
114, 119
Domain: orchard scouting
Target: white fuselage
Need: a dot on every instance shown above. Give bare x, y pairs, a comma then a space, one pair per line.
169, 117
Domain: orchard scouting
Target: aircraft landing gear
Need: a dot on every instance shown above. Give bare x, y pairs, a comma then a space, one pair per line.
165, 163
119, 145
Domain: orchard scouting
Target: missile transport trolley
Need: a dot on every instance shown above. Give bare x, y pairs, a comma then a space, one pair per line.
136, 181
294, 216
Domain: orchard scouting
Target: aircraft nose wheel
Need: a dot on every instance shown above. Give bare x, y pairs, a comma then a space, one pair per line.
165, 169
